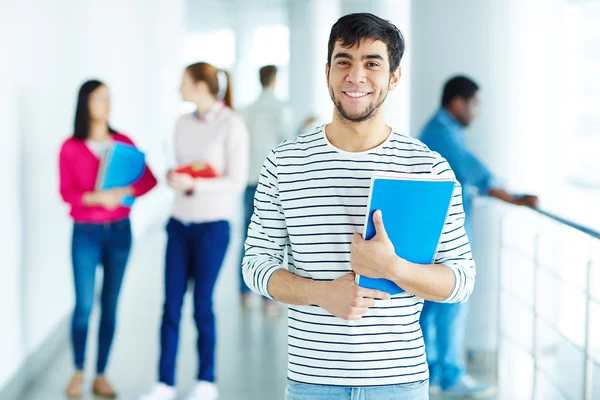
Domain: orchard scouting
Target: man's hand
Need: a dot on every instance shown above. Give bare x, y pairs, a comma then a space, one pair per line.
180, 182
345, 299
527, 200
373, 258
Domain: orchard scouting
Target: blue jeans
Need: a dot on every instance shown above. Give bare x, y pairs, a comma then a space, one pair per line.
443, 327
303, 391
93, 244
194, 251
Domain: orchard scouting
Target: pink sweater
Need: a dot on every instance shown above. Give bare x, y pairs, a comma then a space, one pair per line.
78, 170
221, 141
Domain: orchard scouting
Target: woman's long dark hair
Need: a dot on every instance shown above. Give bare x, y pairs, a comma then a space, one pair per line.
82, 112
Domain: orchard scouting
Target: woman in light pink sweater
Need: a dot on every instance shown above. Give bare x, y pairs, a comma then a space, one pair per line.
198, 231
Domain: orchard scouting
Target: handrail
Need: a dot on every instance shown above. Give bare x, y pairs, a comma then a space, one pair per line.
588, 231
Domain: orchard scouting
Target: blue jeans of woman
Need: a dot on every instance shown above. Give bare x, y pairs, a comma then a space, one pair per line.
108, 245
194, 252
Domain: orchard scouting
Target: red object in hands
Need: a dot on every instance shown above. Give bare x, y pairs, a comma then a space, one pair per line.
197, 170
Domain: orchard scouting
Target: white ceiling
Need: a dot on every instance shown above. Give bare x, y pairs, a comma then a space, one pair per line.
206, 15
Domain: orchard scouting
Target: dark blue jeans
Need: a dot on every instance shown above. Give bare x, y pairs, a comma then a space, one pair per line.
194, 251
92, 245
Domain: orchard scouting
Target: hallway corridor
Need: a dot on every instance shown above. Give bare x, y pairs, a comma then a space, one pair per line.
251, 354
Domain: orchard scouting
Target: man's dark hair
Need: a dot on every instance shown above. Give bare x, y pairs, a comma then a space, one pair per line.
352, 28
458, 86
267, 74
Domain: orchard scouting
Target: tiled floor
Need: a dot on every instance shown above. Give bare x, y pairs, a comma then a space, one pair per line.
251, 353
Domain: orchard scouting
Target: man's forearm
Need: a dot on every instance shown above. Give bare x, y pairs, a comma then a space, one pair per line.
503, 195
433, 282
288, 288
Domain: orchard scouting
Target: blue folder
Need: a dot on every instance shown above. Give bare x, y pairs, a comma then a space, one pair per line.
122, 166
414, 212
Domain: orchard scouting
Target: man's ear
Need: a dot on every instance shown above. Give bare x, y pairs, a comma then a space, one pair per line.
395, 78
327, 73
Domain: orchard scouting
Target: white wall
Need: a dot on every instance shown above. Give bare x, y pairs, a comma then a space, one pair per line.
134, 48
310, 22
11, 343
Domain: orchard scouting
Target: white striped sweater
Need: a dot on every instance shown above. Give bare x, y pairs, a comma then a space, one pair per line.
311, 198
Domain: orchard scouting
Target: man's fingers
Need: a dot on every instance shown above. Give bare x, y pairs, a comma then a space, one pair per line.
364, 302
349, 276
378, 222
374, 294
353, 317
359, 311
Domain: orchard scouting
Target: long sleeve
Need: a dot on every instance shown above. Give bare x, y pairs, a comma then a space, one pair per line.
454, 249
145, 183
69, 190
467, 167
267, 234
235, 176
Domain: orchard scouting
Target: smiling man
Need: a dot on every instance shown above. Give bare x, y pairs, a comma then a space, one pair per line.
347, 342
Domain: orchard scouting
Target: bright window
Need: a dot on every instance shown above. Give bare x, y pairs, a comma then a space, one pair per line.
582, 91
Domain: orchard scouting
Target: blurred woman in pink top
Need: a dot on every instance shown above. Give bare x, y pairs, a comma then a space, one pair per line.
102, 230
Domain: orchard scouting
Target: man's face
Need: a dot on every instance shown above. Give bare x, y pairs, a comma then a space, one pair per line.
469, 110
359, 79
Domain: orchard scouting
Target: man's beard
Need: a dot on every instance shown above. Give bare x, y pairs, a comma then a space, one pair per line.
369, 112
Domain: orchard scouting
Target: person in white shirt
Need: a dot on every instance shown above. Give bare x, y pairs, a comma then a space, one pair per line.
198, 230
267, 121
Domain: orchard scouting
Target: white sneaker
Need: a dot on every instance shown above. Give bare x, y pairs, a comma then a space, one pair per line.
469, 387
203, 391
160, 392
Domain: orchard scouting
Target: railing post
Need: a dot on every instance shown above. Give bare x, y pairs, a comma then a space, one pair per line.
536, 277
499, 305
588, 363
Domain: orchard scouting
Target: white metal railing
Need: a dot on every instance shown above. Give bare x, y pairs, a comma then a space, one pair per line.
548, 309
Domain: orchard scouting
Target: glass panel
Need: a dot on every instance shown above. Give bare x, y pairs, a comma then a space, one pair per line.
515, 372
517, 322
546, 390
596, 382
519, 230
563, 306
595, 332
565, 251
560, 360
595, 280
518, 276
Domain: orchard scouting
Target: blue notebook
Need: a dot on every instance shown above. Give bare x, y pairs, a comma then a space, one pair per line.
414, 212
121, 166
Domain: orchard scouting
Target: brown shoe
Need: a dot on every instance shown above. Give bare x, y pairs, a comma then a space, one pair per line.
74, 387
103, 389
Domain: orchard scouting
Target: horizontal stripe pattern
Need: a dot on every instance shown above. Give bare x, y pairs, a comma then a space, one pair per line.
310, 199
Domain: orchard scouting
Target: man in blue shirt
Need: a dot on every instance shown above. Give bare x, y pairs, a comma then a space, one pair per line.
444, 133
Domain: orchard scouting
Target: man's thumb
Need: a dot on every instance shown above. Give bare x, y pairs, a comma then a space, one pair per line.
378, 222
